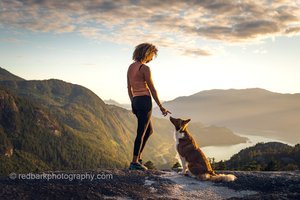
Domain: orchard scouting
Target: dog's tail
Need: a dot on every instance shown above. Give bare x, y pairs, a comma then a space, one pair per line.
218, 177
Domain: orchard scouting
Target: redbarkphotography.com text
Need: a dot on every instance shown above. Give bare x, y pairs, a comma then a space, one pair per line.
61, 176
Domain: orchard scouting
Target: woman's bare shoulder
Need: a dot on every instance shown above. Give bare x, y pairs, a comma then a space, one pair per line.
145, 68
131, 66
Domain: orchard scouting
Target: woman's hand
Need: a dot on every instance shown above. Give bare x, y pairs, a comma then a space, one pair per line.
164, 111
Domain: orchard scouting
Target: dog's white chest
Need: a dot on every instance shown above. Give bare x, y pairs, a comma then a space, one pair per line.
182, 160
178, 135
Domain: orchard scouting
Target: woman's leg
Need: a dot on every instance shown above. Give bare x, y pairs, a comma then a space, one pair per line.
146, 137
142, 107
143, 123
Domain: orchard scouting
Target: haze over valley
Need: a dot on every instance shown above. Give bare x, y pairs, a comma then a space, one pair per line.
251, 111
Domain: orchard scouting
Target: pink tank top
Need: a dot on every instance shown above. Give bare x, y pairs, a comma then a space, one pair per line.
137, 81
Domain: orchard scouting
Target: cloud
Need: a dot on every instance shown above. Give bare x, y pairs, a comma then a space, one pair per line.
252, 29
196, 52
179, 25
12, 40
293, 30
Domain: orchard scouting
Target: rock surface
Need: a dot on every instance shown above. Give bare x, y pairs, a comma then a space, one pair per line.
126, 184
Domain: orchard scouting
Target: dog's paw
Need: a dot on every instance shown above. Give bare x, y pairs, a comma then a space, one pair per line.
182, 172
189, 174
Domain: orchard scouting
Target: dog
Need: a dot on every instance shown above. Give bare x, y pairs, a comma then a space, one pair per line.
193, 160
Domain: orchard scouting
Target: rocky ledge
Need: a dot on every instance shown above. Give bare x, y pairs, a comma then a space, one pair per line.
152, 184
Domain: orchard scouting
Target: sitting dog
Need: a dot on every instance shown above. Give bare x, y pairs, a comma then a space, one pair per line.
193, 160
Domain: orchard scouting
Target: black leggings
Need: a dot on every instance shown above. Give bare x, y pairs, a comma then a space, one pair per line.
142, 108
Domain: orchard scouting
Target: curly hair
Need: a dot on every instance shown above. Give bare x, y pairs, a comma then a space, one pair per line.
143, 50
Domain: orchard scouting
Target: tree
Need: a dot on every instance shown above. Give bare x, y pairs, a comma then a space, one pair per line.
253, 166
177, 166
273, 165
290, 167
149, 164
222, 165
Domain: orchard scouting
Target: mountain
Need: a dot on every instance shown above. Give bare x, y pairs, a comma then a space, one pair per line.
6, 75
92, 135
126, 106
113, 102
35, 138
52, 124
248, 111
271, 156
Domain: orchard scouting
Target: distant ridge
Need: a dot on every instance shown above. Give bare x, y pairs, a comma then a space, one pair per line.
253, 111
218, 92
113, 102
6, 75
247, 91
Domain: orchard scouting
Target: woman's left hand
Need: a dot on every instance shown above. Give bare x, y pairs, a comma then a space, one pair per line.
164, 111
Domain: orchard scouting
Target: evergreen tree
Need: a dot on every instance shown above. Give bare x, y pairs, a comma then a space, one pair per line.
273, 165
149, 164
222, 165
176, 166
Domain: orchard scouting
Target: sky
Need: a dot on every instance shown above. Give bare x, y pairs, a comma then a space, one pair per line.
202, 44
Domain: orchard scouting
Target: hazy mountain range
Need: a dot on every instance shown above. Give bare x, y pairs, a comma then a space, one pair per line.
113, 102
248, 111
52, 124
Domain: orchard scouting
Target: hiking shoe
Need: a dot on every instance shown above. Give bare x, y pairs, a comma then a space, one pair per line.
137, 166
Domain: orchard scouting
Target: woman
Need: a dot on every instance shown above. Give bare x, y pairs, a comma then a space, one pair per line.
139, 82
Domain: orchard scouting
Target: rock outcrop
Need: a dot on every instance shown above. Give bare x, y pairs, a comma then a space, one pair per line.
152, 184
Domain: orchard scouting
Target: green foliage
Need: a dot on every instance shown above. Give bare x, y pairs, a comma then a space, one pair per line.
149, 164
272, 165
220, 165
177, 165
252, 166
21, 162
272, 156
30, 128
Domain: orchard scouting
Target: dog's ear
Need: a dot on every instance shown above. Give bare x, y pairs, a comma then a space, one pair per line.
186, 121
